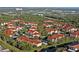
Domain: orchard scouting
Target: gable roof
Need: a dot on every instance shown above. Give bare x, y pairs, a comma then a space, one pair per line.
76, 33
36, 33
32, 23
67, 26
31, 31
50, 29
8, 32
46, 25
33, 27
55, 36
23, 38
30, 41
48, 20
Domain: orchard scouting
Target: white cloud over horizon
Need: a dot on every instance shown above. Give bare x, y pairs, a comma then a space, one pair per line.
39, 3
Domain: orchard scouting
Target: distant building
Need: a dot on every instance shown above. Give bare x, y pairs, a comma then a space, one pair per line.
40, 14
19, 9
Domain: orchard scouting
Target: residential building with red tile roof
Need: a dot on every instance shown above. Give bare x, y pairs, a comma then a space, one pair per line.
46, 21
51, 31
35, 42
47, 25
19, 27
23, 38
33, 28
73, 29
36, 34
10, 26
15, 20
8, 32
31, 31
75, 34
55, 37
67, 26
32, 23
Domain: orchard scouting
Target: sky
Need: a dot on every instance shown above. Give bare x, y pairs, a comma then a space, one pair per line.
39, 3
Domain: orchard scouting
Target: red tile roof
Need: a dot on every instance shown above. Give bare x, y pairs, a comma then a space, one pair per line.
19, 27
76, 33
15, 20
36, 33
48, 20
62, 23
31, 31
8, 23
50, 29
10, 26
22, 22
67, 26
18, 19
46, 25
23, 38
32, 23
8, 32
35, 41
30, 41
34, 27
55, 36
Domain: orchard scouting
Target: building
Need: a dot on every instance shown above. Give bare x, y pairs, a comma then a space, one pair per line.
47, 25
8, 32
48, 21
36, 34
33, 28
32, 24
55, 37
31, 32
35, 42
51, 31
68, 27
75, 34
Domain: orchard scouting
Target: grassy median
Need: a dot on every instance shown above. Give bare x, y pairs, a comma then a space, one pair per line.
7, 46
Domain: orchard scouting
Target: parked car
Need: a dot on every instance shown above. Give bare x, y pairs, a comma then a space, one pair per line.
73, 47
